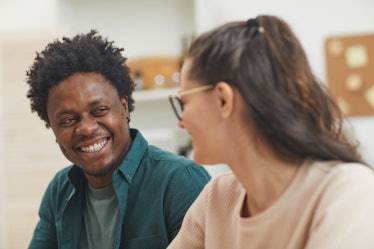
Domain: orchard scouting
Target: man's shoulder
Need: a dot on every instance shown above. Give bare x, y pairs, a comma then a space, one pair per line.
158, 154
168, 162
140, 149
166, 158
63, 177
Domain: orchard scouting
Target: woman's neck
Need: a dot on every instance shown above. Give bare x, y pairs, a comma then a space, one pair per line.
263, 175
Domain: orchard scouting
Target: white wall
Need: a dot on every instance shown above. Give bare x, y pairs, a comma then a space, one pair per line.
23, 14
313, 22
142, 27
2, 173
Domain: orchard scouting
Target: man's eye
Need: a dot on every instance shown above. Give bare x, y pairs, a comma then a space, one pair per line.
100, 111
67, 121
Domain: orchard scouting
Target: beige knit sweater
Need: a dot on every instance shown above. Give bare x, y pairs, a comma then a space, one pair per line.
328, 205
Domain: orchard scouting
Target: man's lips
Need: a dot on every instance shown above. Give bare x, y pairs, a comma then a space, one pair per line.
97, 146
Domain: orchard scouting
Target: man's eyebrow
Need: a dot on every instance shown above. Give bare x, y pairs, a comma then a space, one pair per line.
63, 112
96, 101
68, 111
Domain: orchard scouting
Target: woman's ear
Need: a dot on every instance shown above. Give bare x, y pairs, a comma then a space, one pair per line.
225, 100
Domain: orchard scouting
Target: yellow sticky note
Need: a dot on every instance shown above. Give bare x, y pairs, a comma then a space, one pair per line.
354, 82
335, 47
369, 95
356, 56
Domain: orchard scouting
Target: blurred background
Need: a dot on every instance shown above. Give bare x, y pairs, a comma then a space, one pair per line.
337, 36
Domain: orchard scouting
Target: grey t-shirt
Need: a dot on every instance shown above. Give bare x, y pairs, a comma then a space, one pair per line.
100, 218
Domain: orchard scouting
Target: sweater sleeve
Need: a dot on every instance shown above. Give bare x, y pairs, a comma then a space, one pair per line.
344, 217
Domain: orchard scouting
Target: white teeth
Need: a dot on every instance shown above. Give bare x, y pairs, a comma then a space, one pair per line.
94, 147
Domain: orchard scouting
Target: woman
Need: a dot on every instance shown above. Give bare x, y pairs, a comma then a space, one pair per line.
250, 100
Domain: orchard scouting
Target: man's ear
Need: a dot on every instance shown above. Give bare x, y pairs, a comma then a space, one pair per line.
225, 100
125, 105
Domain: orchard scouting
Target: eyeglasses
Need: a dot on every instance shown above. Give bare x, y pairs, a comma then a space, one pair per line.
177, 102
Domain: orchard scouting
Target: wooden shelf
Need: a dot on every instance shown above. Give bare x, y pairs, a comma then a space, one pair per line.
154, 94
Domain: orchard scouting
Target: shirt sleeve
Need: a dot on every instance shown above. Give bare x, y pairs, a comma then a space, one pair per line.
184, 189
192, 232
344, 217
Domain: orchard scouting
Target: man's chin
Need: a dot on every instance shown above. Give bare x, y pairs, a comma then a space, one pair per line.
104, 171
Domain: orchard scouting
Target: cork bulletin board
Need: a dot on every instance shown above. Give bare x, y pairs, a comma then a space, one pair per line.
350, 72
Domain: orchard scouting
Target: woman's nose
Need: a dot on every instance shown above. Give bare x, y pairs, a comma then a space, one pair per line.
180, 124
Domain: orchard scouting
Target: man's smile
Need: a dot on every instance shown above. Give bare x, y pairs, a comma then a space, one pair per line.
94, 147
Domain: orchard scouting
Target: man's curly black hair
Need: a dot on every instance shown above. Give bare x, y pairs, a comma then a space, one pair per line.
83, 53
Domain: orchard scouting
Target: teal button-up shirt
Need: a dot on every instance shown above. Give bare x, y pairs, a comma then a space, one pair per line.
154, 190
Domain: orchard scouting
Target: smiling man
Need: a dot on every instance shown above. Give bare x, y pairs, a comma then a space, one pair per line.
119, 191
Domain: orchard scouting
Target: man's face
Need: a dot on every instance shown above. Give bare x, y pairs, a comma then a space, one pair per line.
89, 121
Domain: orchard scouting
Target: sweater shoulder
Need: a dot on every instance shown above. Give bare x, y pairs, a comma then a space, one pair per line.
335, 170
225, 187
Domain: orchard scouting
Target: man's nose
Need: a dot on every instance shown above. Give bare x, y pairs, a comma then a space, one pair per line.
87, 125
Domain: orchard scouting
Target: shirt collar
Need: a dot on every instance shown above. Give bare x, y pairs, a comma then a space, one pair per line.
128, 166
134, 156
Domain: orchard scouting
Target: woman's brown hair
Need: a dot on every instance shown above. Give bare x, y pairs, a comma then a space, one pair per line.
288, 106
